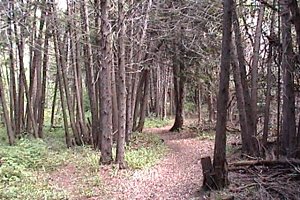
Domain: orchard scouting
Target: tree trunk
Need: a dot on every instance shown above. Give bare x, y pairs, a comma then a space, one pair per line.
115, 111
210, 106
269, 86
179, 93
20, 46
199, 103
136, 93
62, 73
89, 69
158, 92
54, 102
179, 79
75, 59
121, 86
13, 92
255, 63
62, 93
139, 97
42, 97
8, 121
240, 102
252, 143
144, 102
293, 5
105, 85
219, 163
288, 109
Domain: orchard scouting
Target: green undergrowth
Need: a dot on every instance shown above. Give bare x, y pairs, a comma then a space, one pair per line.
155, 122
144, 151
26, 168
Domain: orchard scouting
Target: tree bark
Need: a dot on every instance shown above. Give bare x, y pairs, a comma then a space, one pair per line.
144, 102
115, 110
293, 6
219, 163
89, 69
269, 86
105, 85
62, 93
255, 63
288, 108
54, 102
240, 102
8, 122
42, 97
252, 143
179, 93
121, 86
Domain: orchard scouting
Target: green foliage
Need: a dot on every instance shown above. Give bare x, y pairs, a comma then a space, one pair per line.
155, 122
30, 187
144, 151
27, 167
21, 163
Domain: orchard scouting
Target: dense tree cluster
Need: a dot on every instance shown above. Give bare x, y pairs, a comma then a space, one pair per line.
104, 66
100, 67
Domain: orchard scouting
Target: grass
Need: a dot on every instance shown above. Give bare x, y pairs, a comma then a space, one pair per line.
155, 122
144, 150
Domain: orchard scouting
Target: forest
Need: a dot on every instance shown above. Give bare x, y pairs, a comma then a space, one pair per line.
124, 99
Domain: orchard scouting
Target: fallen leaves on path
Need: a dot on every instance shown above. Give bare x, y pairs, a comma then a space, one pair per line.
177, 176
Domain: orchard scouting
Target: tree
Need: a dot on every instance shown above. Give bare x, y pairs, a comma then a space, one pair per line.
288, 137
121, 87
255, 63
179, 79
219, 163
8, 124
244, 102
269, 84
105, 85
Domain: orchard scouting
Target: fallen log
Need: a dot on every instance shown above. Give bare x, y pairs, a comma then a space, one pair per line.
246, 163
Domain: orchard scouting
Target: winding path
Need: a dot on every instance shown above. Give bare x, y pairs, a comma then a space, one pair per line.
177, 176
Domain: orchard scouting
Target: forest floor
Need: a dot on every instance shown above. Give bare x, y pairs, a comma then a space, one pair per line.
161, 165
177, 175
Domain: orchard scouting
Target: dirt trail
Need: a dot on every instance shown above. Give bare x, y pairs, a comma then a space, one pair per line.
177, 176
